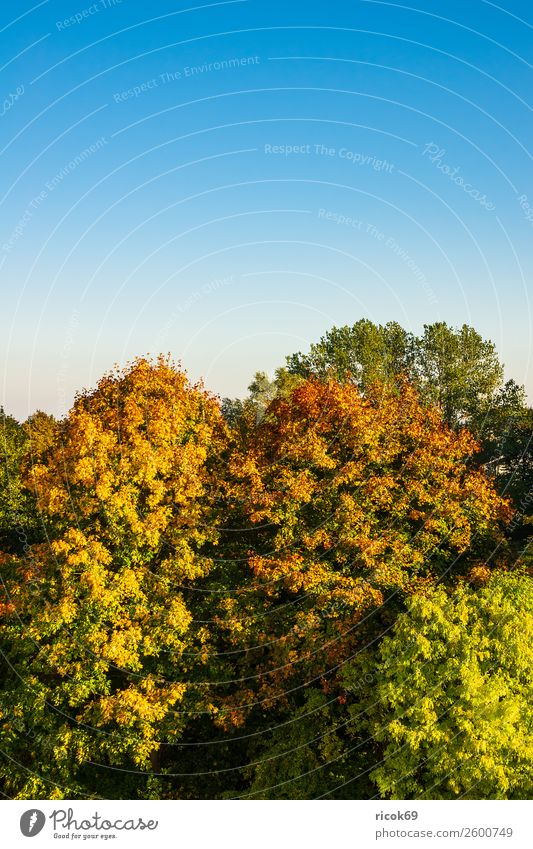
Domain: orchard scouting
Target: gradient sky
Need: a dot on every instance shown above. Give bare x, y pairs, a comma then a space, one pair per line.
232, 214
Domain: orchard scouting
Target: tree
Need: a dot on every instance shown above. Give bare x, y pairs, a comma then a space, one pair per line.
454, 368
261, 392
201, 583
364, 353
13, 502
307, 754
339, 506
449, 699
99, 625
506, 432
458, 370
20, 523
41, 431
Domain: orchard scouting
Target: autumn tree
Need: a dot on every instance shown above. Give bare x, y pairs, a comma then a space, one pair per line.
447, 697
99, 627
452, 368
183, 629
41, 431
340, 506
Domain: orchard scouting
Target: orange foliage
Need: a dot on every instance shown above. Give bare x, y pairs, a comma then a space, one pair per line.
349, 502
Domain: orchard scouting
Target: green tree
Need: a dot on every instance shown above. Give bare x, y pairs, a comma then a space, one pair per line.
309, 754
42, 431
364, 353
505, 430
20, 522
457, 370
449, 697
454, 368
261, 392
13, 501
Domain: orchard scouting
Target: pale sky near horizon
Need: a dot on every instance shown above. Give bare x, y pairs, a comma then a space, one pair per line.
226, 181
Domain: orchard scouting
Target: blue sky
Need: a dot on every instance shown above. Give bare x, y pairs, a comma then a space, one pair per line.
226, 181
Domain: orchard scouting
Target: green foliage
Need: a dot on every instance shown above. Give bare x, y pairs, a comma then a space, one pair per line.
505, 430
13, 502
454, 368
457, 369
308, 755
364, 353
261, 392
450, 700
20, 522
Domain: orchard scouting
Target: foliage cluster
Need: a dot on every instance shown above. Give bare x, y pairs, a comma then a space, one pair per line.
314, 592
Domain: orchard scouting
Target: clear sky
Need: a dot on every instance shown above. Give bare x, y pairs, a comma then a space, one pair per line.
226, 181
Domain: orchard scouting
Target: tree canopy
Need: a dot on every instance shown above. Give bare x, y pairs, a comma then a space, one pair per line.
97, 621
451, 698
204, 600
454, 368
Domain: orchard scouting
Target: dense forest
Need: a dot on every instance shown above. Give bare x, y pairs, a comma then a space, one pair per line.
322, 590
